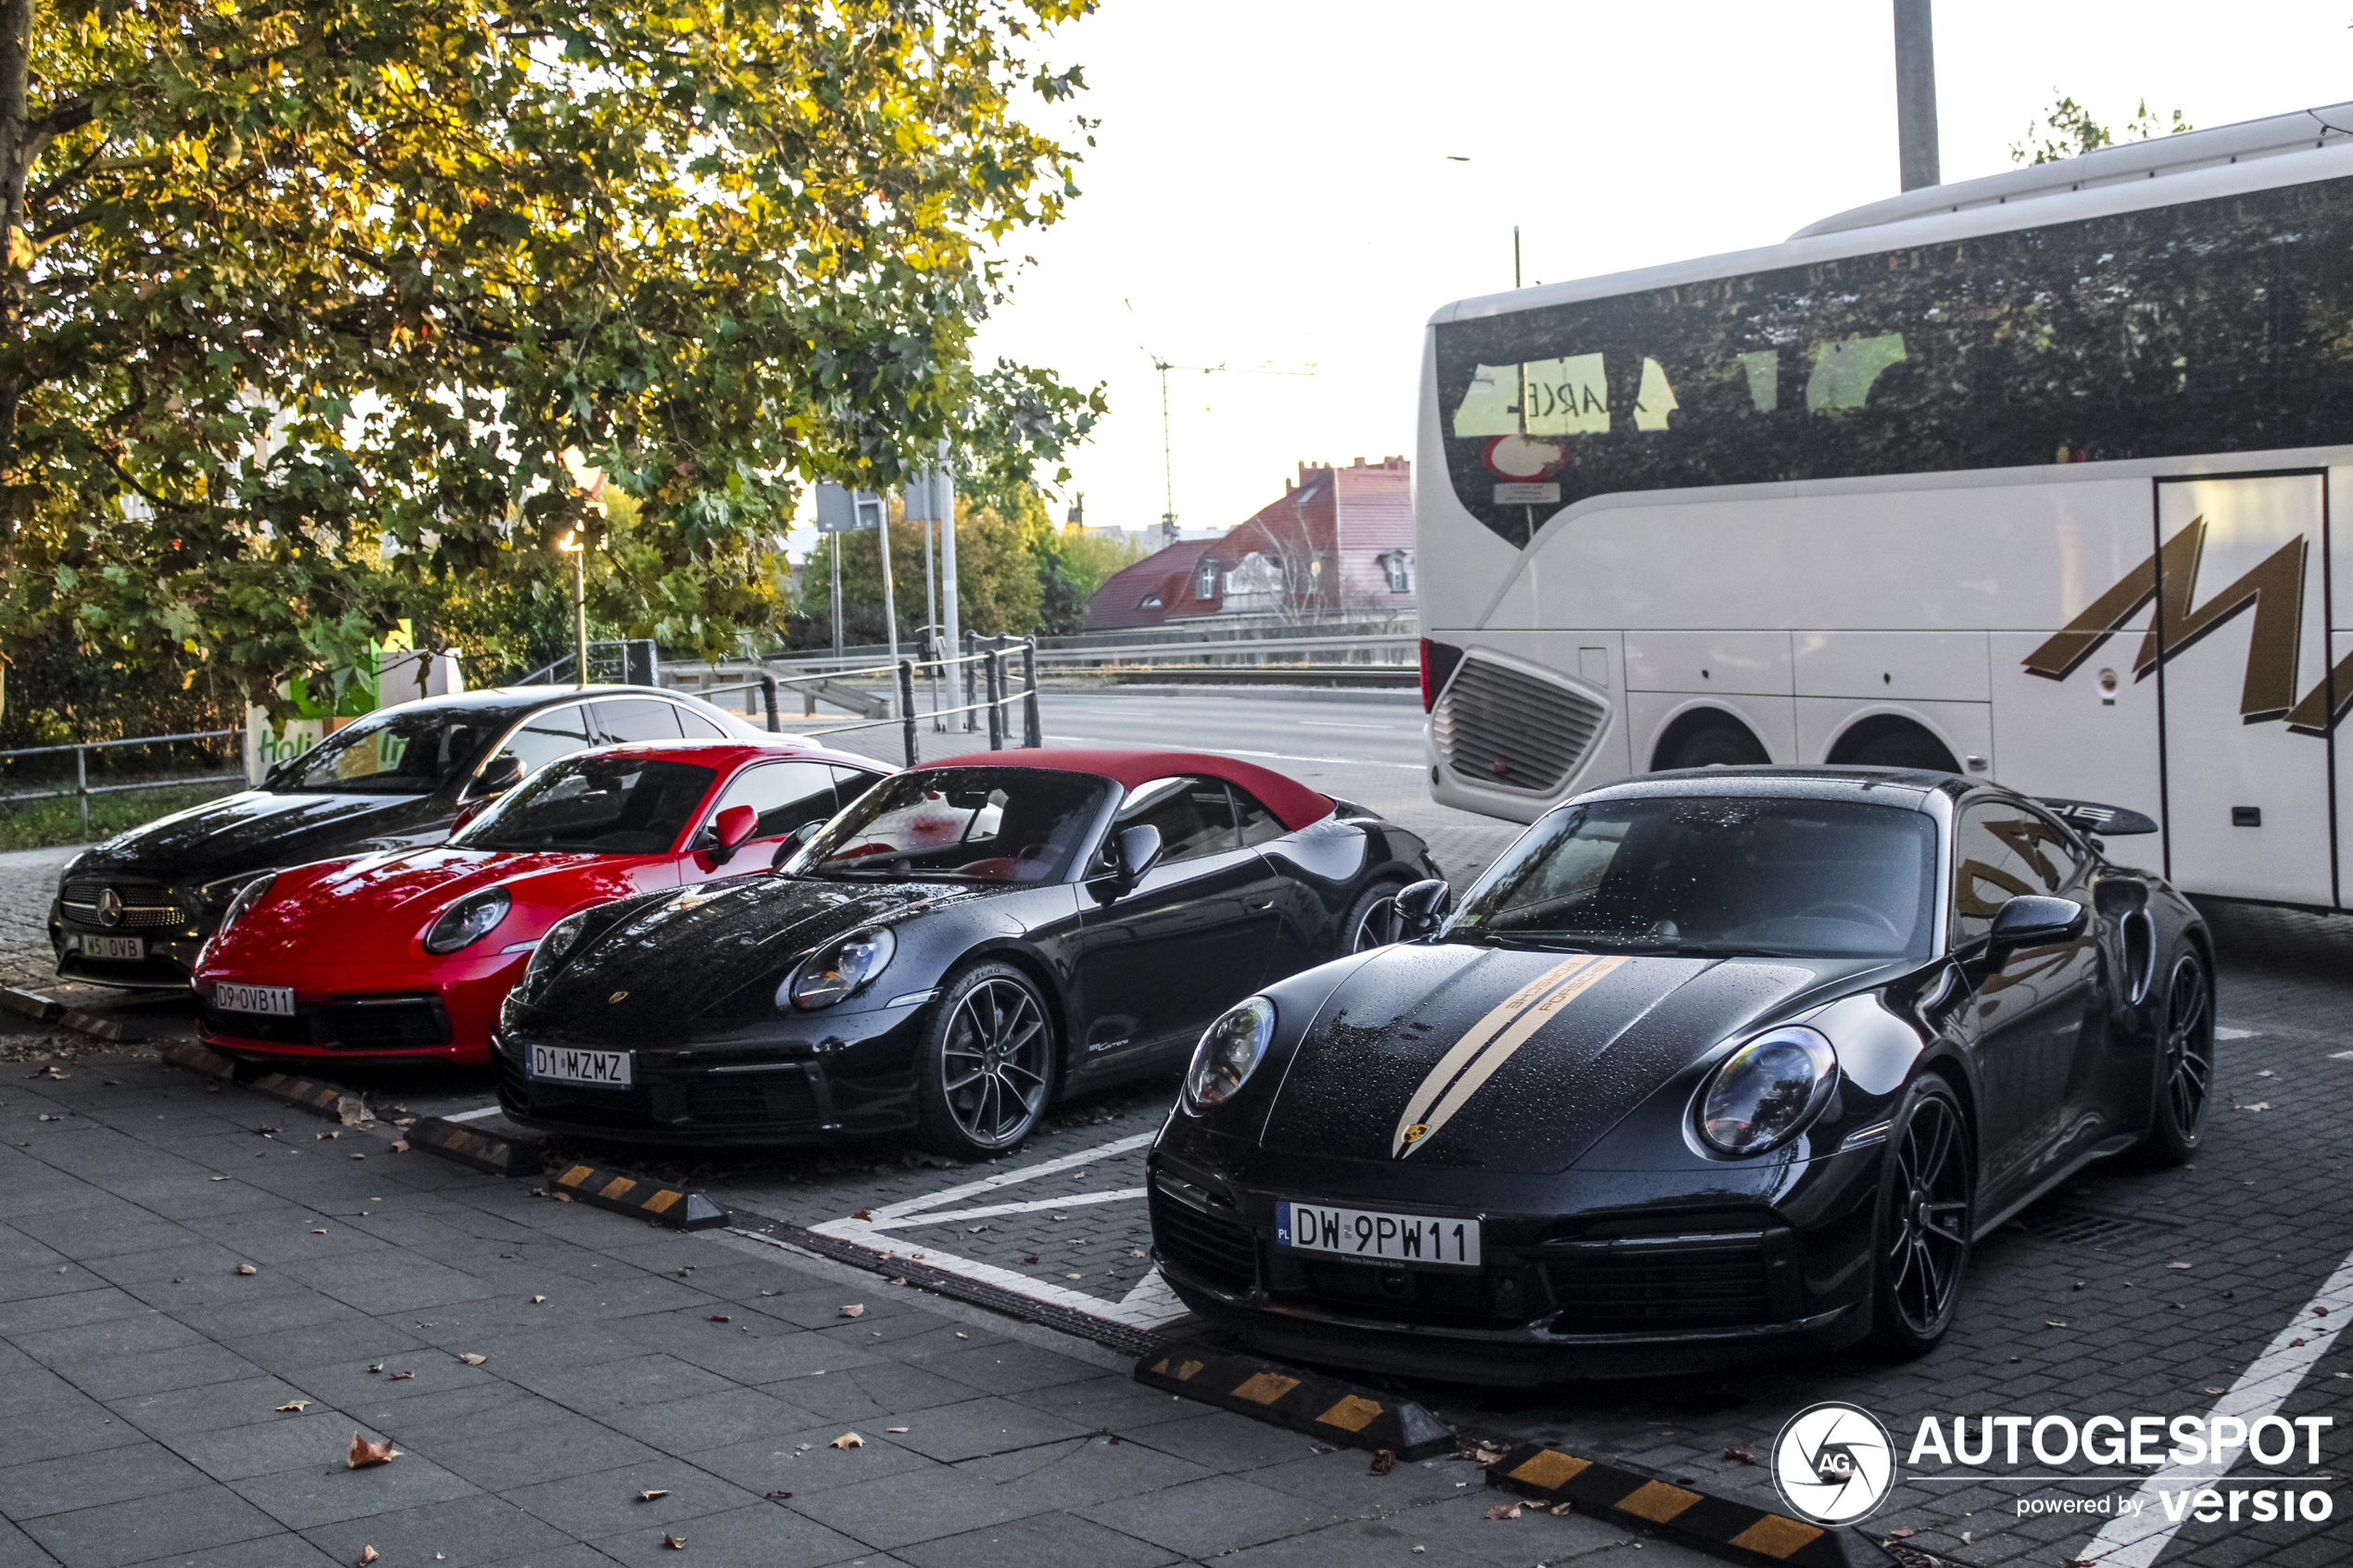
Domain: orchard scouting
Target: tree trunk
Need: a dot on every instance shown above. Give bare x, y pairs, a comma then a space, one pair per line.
19, 147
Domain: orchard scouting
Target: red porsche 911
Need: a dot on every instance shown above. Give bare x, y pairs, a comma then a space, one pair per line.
406, 956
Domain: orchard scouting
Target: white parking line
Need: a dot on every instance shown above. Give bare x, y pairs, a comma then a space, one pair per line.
1139, 1309
2134, 1541
472, 1115
928, 1218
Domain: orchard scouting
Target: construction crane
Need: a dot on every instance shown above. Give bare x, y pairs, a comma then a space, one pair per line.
1167, 464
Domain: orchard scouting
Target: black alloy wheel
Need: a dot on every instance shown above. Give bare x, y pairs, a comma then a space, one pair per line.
1373, 920
2184, 1058
1924, 1218
988, 1064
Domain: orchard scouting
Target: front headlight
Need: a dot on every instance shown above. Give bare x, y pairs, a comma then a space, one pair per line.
1766, 1090
252, 893
1229, 1052
835, 972
549, 957
468, 921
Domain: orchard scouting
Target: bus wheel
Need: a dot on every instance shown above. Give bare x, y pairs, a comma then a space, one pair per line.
1707, 738
1887, 741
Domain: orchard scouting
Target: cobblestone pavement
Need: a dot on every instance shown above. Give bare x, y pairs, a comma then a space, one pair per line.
2078, 1309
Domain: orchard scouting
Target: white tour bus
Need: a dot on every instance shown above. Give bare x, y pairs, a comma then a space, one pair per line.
2029, 477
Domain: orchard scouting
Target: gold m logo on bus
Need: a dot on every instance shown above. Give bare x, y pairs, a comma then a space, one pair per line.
2273, 590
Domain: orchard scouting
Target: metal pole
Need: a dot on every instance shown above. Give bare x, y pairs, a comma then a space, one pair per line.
890, 601
580, 602
907, 710
1031, 734
970, 679
947, 496
992, 674
81, 788
768, 695
1914, 94
837, 538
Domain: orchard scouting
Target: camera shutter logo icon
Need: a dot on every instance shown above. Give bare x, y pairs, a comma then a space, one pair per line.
1833, 1463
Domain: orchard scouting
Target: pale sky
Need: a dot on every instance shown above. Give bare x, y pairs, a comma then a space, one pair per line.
1272, 184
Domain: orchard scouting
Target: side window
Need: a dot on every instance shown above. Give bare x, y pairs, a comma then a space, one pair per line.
549, 736
695, 725
851, 782
784, 793
1195, 816
626, 718
2001, 852
1258, 823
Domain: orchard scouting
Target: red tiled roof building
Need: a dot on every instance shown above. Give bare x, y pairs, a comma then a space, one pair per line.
1339, 543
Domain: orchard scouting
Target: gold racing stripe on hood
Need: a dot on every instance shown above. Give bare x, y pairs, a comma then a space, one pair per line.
1489, 1062
1459, 1054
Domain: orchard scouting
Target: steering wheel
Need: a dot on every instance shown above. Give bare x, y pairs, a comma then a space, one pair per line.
1869, 916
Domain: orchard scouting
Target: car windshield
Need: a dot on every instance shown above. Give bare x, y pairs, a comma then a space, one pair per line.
606, 805
960, 824
1714, 875
407, 750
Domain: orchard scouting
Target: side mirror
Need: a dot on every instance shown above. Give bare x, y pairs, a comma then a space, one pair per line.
2033, 921
1136, 851
732, 827
1422, 906
795, 840
499, 775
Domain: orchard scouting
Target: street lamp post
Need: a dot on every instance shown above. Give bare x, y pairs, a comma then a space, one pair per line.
572, 544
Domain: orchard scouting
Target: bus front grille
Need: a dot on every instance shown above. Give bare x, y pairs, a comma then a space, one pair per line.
1505, 729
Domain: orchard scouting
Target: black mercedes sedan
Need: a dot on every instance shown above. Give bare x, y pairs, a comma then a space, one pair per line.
962, 946
1711, 1064
133, 910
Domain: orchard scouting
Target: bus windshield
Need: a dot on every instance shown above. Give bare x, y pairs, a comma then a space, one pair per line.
1714, 876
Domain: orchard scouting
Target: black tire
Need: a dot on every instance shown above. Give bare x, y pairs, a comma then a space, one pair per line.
1921, 1233
985, 1072
2185, 1056
1709, 740
1372, 920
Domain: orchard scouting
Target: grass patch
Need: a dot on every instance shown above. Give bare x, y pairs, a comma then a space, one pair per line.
41, 824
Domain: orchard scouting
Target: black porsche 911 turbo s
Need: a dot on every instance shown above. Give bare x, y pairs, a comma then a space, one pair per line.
967, 943
1711, 1064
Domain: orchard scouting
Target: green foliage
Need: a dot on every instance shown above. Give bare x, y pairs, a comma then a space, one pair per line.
996, 581
303, 304
1087, 562
2067, 130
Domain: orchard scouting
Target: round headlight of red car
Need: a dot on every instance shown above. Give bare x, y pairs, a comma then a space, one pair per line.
468, 921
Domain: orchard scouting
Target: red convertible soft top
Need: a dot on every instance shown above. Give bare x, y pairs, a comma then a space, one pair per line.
1287, 798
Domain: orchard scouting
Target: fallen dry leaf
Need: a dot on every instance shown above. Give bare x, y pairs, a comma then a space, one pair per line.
1899, 1535
368, 1554
400, 1145
1480, 1454
864, 1214
247, 1269
2214, 1390
675, 1543
472, 1360
895, 1282
298, 1406
2054, 1322
2320, 1311
365, 1453
1504, 1510
1741, 1456
899, 1429
2293, 1342
318, 1232
1029, 1259
537, 1299
2177, 1266
653, 1494
855, 1309
1384, 1462
2259, 1105
401, 1376
566, 1197
721, 1317
848, 1440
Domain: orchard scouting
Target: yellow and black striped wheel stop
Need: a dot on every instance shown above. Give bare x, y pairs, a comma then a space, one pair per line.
194, 1058
322, 1099
1722, 1526
480, 1151
1322, 1406
640, 1195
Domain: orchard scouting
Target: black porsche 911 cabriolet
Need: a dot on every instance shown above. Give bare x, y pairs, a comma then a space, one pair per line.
968, 942
1710, 1064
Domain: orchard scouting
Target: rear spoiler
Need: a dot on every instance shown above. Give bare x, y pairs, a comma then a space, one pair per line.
2090, 816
